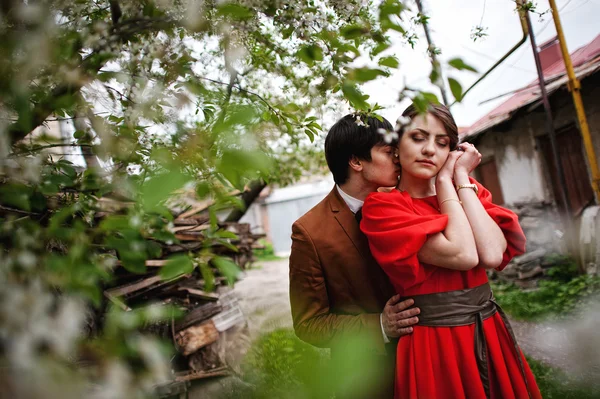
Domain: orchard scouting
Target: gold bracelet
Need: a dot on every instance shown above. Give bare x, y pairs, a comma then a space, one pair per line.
450, 199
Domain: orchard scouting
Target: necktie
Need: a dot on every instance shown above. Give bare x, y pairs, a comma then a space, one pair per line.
358, 215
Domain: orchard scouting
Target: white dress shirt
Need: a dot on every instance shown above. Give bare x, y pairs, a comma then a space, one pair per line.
355, 205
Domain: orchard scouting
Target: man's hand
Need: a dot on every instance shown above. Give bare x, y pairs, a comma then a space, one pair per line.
397, 318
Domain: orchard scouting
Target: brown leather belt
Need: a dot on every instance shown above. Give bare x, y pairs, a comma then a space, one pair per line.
465, 307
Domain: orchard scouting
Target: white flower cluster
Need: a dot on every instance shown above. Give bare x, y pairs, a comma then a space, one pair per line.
34, 318
388, 135
401, 123
359, 121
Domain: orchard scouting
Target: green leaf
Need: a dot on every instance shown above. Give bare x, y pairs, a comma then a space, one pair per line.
226, 234
310, 135
456, 89
380, 48
366, 74
48, 187
212, 216
176, 266
79, 134
353, 31
236, 165
235, 11
16, 195
202, 189
458, 63
208, 277
160, 187
390, 7
61, 180
115, 223
390, 61
386, 25
227, 268
311, 53
430, 97
67, 169
355, 97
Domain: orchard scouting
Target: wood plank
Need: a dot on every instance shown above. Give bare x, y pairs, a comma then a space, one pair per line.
195, 375
198, 293
189, 237
197, 315
133, 287
190, 222
196, 227
149, 263
196, 337
117, 302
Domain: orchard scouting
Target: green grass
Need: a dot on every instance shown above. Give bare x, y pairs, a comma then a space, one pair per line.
279, 365
554, 384
555, 298
265, 254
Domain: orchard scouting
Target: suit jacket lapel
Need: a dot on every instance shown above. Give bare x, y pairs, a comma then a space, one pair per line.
347, 221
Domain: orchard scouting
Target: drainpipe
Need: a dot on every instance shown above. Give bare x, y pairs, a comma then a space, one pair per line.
568, 225
525, 30
575, 88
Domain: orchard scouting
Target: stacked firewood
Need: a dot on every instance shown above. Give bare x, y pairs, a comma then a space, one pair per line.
527, 270
213, 327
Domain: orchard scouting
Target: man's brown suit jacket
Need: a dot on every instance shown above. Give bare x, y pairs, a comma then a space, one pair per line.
337, 290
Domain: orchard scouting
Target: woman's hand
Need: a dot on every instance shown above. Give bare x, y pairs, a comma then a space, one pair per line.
447, 170
469, 160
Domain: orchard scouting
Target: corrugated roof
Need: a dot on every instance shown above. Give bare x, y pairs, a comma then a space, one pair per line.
586, 61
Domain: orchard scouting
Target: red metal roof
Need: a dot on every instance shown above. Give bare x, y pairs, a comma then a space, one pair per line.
582, 59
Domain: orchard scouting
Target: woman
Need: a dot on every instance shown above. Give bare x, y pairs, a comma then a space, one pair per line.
435, 236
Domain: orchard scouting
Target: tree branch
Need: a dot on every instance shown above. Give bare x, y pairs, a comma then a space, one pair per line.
90, 66
43, 147
115, 11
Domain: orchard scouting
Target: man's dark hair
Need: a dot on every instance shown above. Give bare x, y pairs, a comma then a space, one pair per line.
349, 137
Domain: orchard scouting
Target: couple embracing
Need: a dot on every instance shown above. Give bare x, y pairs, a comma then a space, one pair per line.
405, 269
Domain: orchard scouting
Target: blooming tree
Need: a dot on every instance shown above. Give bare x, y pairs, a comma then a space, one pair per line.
154, 96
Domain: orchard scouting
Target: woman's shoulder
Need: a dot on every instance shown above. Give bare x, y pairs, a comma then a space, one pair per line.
392, 197
389, 203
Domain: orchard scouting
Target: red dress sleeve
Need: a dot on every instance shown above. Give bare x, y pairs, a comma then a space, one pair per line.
396, 233
508, 222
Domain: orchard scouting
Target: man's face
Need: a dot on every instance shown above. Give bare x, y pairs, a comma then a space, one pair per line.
383, 169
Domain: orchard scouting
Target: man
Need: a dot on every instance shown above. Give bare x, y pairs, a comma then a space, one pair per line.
337, 290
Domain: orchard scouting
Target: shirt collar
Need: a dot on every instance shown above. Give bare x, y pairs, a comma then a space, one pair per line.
353, 203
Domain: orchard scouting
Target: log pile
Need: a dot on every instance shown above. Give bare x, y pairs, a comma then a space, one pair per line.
527, 270
213, 329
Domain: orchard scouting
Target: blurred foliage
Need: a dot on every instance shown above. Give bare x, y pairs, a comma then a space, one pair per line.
108, 108
555, 298
554, 384
266, 253
279, 365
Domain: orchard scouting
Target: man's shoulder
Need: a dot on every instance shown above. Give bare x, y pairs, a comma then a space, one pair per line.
316, 215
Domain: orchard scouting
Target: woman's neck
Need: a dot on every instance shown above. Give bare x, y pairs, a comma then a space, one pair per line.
416, 187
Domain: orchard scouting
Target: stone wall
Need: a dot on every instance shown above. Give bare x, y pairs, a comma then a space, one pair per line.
542, 227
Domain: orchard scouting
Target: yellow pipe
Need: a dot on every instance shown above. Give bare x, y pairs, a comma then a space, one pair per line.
575, 88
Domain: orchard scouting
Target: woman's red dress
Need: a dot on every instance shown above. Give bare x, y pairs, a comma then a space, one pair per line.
440, 362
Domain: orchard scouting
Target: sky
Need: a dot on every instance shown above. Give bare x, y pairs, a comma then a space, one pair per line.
450, 25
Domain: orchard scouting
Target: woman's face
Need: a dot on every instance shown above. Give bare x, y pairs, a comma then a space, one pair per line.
424, 147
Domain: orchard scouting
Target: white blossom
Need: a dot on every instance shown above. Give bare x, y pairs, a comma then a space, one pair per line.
359, 121
388, 135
